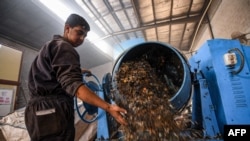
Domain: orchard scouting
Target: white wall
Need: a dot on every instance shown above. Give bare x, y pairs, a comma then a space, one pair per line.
27, 58
101, 70
232, 15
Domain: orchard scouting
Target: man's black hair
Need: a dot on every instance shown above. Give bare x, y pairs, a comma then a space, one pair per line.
75, 20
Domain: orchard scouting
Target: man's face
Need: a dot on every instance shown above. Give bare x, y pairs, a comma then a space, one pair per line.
75, 35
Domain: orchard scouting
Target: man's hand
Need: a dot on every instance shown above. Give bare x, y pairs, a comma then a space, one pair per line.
118, 113
88, 96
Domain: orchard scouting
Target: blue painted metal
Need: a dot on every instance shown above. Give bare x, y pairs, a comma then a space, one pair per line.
202, 105
102, 124
230, 97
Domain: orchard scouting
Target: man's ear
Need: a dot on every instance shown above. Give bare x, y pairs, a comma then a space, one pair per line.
66, 28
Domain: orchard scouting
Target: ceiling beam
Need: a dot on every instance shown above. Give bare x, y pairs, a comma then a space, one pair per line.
178, 21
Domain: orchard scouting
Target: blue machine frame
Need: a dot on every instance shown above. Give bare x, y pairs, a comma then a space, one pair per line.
221, 96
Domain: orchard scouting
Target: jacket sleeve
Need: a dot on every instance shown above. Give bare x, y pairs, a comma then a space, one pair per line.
66, 65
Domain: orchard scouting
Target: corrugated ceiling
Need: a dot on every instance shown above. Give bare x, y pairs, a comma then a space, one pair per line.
169, 21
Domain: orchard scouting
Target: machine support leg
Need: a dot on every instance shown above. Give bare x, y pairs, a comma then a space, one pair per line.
102, 124
209, 122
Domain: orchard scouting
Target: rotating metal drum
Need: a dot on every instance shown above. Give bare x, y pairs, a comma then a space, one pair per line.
168, 62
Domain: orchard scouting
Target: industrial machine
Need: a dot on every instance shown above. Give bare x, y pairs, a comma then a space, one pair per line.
214, 81
221, 80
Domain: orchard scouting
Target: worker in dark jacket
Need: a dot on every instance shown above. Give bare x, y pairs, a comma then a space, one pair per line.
55, 78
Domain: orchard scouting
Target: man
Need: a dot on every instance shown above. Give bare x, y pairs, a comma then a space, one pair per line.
55, 78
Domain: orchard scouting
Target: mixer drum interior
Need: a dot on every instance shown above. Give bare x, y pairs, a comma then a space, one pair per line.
168, 63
